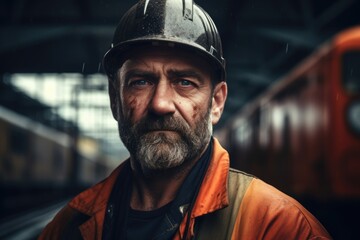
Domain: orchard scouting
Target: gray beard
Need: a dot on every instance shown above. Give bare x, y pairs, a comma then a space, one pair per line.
157, 151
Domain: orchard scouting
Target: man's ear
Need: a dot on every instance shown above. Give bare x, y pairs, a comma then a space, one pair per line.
114, 100
218, 101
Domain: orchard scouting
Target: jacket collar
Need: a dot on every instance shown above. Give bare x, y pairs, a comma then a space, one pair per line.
95, 198
213, 193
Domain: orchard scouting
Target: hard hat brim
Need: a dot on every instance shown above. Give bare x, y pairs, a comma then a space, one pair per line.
115, 56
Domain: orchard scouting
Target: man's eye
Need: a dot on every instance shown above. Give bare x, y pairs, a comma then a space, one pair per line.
185, 82
140, 82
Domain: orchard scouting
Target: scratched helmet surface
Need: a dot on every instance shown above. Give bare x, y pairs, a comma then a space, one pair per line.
175, 23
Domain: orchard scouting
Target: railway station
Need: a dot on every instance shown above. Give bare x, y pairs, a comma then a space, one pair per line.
291, 118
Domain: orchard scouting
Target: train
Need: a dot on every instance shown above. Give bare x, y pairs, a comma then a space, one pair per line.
39, 164
303, 133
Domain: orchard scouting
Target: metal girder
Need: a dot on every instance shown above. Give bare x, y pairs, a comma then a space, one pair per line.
253, 77
298, 37
332, 12
19, 36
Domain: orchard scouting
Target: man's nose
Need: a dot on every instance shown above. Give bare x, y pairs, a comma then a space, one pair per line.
162, 102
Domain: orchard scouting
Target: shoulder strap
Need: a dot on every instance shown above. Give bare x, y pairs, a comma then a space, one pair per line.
220, 224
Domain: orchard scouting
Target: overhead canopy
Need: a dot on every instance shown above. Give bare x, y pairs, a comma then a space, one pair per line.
262, 39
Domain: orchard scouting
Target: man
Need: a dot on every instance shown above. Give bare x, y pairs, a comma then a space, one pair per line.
167, 89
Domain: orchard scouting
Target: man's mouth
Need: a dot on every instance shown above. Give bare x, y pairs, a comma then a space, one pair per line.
161, 131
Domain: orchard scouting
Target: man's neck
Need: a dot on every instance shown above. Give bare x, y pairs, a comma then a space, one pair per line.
157, 189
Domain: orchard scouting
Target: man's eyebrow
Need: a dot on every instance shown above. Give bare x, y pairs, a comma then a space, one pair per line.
175, 73
139, 73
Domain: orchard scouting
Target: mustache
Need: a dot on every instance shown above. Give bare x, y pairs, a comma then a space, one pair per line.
166, 123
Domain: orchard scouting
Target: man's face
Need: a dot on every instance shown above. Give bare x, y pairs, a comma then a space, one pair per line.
163, 105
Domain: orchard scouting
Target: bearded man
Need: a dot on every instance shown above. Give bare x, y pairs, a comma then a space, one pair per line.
167, 89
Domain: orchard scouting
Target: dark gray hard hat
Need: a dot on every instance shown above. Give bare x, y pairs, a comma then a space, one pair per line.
174, 23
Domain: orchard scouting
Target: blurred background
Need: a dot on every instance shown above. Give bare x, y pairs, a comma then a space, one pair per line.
292, 117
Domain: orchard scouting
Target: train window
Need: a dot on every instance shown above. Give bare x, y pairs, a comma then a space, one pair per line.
351, 71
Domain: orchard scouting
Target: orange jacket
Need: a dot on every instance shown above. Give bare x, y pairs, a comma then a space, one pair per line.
264, 212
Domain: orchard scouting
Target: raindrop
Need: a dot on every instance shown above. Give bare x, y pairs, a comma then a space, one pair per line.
83, 68
287, 48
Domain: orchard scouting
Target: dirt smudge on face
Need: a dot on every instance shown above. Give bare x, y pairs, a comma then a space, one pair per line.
195, 111
130, 105
132, 102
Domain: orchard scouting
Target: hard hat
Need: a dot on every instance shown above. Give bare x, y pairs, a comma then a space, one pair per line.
174, 23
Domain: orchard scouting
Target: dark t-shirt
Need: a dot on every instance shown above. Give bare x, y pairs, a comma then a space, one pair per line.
141, 224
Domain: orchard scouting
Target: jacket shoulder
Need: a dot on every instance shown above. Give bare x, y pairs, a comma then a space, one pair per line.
64, 225
275, 215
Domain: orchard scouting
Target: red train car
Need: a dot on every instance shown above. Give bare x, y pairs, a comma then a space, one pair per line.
303, 134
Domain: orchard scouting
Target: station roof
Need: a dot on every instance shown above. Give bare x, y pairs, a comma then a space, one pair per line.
262, 39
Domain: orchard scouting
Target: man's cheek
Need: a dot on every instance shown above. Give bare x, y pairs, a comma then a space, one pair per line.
133, 108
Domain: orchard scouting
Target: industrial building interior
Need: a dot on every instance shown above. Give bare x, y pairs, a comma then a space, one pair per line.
52, 80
